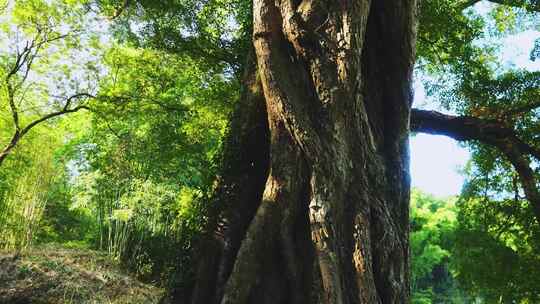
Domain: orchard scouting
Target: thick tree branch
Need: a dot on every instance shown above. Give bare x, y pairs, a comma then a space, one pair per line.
52, 115
20, 132
489, 132
13, 109
465, 128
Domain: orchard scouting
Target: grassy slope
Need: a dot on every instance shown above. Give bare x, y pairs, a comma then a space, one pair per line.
52, 274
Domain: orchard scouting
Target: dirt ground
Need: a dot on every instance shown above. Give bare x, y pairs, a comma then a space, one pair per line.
56, 275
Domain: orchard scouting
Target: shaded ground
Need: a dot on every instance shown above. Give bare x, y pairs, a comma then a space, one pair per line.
56, 275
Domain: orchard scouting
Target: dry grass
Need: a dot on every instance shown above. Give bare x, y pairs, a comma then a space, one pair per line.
52, 274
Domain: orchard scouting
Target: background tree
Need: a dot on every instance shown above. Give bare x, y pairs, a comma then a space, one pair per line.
496, 249
498, 104
497, 107
142, 175
433, 260
47, 68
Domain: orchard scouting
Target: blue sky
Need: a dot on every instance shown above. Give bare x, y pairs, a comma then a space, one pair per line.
437, 160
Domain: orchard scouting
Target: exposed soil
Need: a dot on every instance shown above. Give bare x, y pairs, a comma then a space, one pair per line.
58, 275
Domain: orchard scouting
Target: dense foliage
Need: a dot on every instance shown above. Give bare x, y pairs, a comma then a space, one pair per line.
497, 253
433, 233
129, 174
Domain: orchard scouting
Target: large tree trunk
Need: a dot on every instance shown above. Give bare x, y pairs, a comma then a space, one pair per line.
331, 225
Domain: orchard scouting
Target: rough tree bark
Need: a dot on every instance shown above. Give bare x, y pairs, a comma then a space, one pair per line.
330, 223
238, 191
